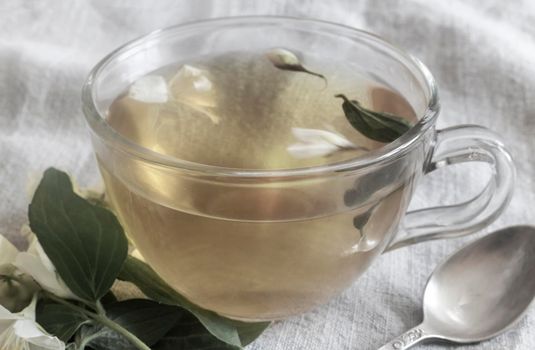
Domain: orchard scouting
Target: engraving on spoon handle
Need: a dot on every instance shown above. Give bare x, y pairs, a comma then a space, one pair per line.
407, 339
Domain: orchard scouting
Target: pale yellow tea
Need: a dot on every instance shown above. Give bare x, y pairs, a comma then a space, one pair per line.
252, 252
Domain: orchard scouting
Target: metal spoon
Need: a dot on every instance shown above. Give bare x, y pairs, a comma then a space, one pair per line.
479, 292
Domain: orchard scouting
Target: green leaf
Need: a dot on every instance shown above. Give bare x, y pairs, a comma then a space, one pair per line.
229, 331
189, 334
160, 326
108, 298
85, 242
58, 319
378, 126
146, 319
95, 337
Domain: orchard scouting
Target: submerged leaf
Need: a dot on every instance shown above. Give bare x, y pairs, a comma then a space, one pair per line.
361, 220
378, 126
389, 176
286, 60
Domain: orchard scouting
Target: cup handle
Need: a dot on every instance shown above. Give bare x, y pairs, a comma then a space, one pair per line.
466, 143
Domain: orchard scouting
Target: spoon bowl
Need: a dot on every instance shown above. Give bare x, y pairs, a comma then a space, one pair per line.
478, 292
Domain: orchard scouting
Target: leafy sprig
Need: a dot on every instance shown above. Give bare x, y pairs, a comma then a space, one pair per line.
88, 247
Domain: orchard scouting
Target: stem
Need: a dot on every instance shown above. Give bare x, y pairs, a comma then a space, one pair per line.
92, 306
122, 331
100, 308
89, 339
102, 319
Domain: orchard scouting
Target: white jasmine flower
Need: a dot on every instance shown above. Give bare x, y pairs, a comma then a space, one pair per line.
36, 263
287, 60
190, 76
149, 89
19, 331
8, 252
316, 142
191, 86
16, 288
282, 58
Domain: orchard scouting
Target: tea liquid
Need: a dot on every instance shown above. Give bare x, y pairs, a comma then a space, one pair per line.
249, 253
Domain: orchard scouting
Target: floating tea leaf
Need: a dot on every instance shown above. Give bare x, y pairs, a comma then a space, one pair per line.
378, 126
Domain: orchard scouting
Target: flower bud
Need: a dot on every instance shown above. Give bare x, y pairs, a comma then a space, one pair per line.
16, 289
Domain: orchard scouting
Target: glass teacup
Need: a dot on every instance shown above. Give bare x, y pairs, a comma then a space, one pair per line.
263, 244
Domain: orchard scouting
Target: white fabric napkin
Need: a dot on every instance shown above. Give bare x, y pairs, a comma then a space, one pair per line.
481, 53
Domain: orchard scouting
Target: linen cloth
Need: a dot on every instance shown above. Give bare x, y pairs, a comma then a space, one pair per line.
482, 55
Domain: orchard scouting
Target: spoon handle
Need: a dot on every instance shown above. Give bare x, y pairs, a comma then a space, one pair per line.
407, 339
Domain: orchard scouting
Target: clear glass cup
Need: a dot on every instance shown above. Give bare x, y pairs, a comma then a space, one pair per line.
343, 215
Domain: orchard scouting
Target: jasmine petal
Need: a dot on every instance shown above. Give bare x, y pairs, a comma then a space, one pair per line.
316, 142
149, 89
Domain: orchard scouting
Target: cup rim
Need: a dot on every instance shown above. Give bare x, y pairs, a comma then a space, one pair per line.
384, 154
